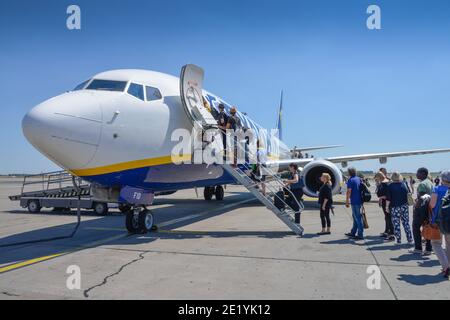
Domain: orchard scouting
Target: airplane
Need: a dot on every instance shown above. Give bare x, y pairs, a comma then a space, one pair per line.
115, 131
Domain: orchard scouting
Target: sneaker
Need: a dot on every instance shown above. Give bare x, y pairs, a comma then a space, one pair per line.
390, 238
427, 253
349, 235
383, 235
415, 251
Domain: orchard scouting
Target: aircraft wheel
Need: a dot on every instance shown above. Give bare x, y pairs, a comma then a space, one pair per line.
146, 221
208, 193
220, 193
132, 222
34, 206
100, 208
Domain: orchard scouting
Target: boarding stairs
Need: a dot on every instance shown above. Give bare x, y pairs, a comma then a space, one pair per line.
273, 186
191, 84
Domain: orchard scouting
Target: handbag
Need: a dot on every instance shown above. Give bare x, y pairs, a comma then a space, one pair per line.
411, 201
364, 218
430, 230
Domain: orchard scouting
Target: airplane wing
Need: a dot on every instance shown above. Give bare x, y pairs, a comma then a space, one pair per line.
382, 157
316, 148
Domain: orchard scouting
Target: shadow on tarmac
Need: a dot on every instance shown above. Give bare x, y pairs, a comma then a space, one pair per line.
111, 229
422, 280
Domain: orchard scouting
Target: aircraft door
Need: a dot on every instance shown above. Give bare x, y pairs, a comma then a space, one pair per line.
191, 83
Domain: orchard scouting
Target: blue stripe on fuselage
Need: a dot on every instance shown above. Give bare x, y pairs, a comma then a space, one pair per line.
167, 177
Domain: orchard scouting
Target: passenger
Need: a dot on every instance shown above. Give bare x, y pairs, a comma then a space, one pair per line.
325, 202
233, 120
294, 183
384, 171
382, 186
353, 198
261, 158
234, 123
437, 181
222, 120
397, 199
436, 199
420, 215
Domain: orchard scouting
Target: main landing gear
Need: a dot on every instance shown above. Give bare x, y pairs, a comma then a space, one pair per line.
139, 221
217, 191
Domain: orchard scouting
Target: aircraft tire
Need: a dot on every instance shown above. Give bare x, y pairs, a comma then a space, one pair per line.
145, 221
132, 222
208, 193
219, 193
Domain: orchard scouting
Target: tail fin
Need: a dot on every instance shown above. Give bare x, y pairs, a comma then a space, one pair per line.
279, 119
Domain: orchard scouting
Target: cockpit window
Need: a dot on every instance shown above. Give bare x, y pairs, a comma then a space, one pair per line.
107, 85
152, 94
136, 90
81, 85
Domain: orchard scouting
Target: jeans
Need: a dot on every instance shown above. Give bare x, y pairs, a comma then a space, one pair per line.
358, 226
417, 233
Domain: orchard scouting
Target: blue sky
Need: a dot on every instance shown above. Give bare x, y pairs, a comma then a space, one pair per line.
373, 91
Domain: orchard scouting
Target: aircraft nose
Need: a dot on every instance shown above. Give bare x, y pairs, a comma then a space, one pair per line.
66, 129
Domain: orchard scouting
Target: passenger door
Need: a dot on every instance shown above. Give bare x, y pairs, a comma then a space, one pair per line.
191, 83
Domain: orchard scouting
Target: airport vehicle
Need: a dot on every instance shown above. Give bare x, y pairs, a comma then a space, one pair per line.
116, 130
56, 190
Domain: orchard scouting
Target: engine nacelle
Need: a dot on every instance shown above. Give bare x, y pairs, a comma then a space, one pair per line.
313, 171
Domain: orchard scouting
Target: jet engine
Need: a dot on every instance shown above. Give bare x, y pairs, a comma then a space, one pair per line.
313, 171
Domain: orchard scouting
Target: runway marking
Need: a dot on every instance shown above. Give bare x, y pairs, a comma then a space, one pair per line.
33, 261
29, 262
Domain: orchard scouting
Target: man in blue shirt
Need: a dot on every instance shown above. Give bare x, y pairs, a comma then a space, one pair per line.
354, 200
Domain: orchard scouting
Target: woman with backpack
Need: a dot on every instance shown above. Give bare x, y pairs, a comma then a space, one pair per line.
397, 202
439, 192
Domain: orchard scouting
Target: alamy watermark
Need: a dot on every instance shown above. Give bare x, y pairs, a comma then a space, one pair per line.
374, 280
73, 21
73, 281
223, 147
374, 20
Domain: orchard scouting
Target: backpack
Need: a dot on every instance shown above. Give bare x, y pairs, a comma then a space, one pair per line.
366, 196
444, 214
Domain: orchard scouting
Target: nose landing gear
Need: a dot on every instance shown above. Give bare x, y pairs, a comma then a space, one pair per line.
139, 221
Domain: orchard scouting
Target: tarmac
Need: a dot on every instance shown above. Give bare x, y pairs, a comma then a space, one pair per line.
233, 249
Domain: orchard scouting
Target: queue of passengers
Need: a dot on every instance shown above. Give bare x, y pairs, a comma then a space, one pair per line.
431, 211
395, 195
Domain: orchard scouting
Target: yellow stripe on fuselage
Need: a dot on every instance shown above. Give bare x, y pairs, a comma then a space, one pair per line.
130, 165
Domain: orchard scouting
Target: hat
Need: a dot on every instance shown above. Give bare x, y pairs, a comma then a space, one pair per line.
445, 176
221, 106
